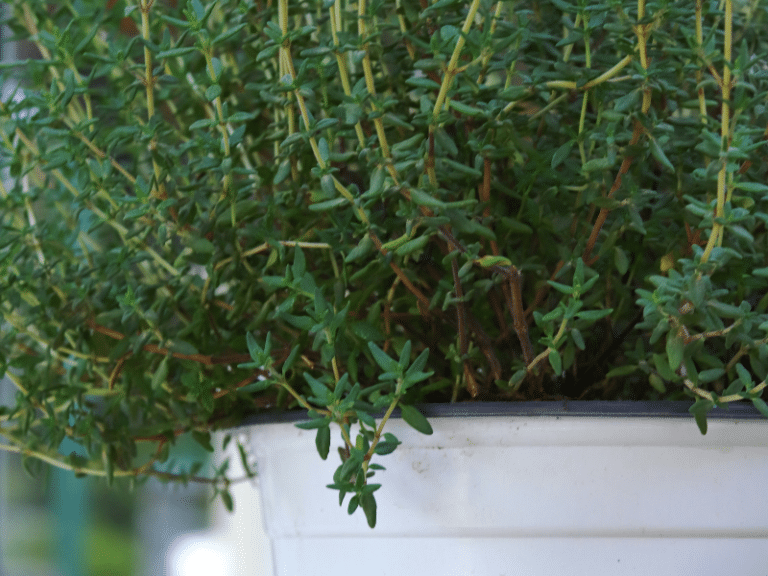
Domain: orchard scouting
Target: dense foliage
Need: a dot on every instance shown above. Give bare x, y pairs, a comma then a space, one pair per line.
217, 208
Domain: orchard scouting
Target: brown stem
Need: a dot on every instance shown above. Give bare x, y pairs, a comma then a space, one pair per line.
518, 314
207, 360
603, 215
471, 383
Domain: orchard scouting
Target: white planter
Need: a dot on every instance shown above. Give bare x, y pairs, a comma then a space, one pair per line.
522, 494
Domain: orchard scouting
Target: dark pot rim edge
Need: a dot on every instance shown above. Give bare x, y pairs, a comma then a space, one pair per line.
575, 408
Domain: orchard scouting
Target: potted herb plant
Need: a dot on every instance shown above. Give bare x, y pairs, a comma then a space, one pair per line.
345, 210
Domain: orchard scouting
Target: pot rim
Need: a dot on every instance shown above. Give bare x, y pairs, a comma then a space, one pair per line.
570, 408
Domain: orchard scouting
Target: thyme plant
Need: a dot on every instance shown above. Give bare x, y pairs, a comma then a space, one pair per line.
212, 209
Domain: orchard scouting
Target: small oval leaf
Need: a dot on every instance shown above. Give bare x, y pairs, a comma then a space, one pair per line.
415, 419
323, 441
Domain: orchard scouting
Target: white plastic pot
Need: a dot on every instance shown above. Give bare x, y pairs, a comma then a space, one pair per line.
543, 490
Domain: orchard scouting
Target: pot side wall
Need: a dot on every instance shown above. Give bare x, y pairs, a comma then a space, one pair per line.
548, 495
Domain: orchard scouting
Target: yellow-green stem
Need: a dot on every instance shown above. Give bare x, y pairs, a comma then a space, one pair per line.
222, 123
448, 77
362, 29
487, 51
716, 236
335, 18
287, 65
582, 118
379, 430
699, 44
450, 72
149, 81
604, 77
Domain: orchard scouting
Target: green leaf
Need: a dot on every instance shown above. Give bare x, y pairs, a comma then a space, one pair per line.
658, 153
710, 375
204, 439
173, 52
322, 146
364, 417
578, 273
364, 246
412, 245
578, 339
620, 260
421, 82
256, 386
158, 378
213, 92
323, 441
488, 260
405, 355
299, 263
319, 390
562, 153
675, 349
598, 164
382, 359
238, 117
341, 386
368, 504
388, 445
353, 503
205, 123
282, 171
621, 371
662, 366
439, 5
199, 9
699, 410
244, 461
226, 498
415, 419
465, 109
423, 199
553, 314
229, 33
137, 212
745, 377
725, 310
607, 203
760, 404
327, 204
418, 364
573, 37
254, 349
201, 245
556, 361
565, 289
291, 359
756, 187
594, 315
350, 466
518, 377
315, 423
143, 188
627, 101
384, 448
657, 383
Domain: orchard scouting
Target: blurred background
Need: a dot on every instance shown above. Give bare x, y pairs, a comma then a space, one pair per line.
57, 525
